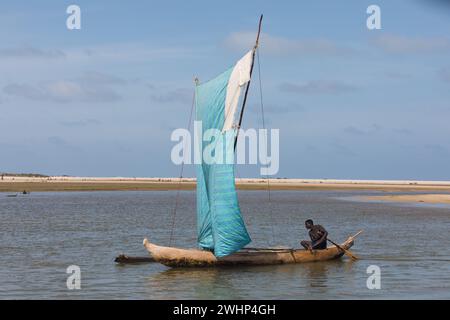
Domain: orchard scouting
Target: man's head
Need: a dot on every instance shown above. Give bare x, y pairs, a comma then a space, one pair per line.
309, 224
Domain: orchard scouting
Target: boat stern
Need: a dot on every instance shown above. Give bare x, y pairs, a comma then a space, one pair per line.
177, 257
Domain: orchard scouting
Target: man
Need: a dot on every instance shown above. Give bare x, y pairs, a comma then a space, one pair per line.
318, 236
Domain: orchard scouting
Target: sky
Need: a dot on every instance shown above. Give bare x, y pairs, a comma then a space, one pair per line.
350, 103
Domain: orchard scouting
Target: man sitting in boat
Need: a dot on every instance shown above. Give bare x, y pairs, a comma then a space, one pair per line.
318, 236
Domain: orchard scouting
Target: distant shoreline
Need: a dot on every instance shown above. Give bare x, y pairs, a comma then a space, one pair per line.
63, 183
414, 198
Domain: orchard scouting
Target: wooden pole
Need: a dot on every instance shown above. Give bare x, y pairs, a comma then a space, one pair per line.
127, 259
347, 252
357, 234
248, 84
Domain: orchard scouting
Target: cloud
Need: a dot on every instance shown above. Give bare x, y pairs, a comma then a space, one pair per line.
80, 123
355, 131
277, 109
25, 91
437, 149
402, 44
61, 143
56, 141
404, 131
62, 91
444, 74
150, 86
241, 41
90, 87
318, 87
135, 52
98, 78
181, 95
398, 75
31, 52
342, 149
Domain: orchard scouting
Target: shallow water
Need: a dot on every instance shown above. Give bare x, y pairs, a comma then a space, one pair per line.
43, 233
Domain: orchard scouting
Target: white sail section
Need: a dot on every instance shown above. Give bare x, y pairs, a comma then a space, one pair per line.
239, 77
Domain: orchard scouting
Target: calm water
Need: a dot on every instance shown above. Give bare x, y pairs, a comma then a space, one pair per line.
43, 233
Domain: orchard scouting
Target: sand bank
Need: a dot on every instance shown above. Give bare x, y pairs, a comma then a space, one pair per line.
63, 183
413, 198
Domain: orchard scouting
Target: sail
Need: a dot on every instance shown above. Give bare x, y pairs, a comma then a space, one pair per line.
220, 226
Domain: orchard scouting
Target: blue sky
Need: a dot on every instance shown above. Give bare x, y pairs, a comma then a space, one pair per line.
103, 100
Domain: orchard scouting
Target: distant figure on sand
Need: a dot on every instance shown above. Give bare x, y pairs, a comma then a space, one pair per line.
318, 236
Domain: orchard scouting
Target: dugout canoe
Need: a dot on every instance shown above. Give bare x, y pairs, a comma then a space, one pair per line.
177, 257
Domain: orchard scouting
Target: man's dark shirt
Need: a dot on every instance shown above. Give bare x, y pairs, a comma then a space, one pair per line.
316, 232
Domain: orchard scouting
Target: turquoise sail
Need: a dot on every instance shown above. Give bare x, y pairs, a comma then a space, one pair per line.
220, 227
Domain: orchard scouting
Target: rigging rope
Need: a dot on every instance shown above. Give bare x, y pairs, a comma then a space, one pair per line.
264, 127
181, 178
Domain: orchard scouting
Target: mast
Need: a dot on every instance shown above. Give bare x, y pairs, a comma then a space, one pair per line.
248, 84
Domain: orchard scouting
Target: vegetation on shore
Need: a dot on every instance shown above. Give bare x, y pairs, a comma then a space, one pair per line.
23, 175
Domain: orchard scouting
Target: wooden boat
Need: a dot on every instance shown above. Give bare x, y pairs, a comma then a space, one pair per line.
175, 257
124, 259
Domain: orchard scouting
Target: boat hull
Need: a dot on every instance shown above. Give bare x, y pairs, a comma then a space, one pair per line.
177, 257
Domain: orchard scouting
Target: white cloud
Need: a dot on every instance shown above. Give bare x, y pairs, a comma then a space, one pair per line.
398, 75
181, 95
62, 91
318, 87
99, 78
242, 41
24, 90
357, 131
91, 86
60, 143
80, 123
402, 44
30, 53
131, 52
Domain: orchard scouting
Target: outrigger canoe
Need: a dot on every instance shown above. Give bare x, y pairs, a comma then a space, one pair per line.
177, 257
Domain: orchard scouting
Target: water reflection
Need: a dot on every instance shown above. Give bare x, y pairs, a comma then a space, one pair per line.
226, 282
194, 283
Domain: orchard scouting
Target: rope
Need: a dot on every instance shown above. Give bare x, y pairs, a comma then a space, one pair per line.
264, 127
181, 178
293, 254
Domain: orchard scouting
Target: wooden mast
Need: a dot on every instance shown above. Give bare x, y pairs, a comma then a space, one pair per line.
248, 84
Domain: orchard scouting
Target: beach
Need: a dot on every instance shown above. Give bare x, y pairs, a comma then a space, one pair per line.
412, 198
64, 183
